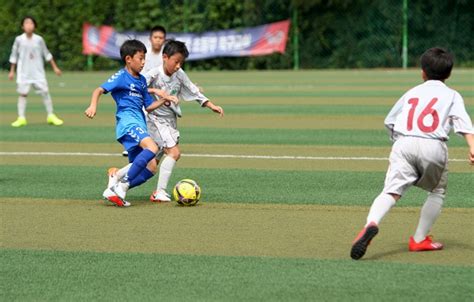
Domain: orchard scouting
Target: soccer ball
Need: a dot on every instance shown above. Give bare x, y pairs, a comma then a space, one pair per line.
186, 192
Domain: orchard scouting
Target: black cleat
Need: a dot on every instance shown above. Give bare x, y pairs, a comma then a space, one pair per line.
362, 241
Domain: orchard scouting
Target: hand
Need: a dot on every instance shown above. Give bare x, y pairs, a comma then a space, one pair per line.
172, 98
90, 112
218, 109
471, 156
11, 75
57, 71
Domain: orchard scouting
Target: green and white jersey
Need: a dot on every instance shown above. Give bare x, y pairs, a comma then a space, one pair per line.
179, 85
29, 54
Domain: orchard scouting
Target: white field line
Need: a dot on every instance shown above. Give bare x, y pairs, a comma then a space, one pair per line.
282, 157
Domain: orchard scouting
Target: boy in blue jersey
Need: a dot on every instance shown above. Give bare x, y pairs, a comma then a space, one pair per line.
129, 90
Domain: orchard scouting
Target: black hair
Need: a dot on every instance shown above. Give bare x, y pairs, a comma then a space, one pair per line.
437, 63
28, 17
157, 28
173, 46
130, 48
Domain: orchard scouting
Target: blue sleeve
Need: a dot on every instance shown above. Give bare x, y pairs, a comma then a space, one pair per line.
147, 98
112, 83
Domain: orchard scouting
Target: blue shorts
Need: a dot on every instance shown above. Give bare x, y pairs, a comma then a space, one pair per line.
131, 141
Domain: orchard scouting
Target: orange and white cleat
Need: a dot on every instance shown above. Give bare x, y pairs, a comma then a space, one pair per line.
362, 241
160, 196
426, 245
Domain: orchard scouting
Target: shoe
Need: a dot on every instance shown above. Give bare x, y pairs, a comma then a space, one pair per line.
54, 120
362, 241
20, 122
113, 198
125, 153
426, 245
160, 196
113, 179
120, 189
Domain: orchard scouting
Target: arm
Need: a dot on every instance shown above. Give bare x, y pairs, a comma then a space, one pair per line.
57, 71
92, 109
470, 142
11, 74
155, 105
216, 109
13, 59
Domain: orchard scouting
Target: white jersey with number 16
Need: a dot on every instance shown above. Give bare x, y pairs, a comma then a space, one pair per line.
429, 110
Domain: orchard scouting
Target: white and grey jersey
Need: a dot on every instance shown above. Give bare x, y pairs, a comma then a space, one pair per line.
29, 54
179, 85
152, 60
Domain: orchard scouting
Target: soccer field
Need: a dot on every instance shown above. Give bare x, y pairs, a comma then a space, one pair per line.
288, 176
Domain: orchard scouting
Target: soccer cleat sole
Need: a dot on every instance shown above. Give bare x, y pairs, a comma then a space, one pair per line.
360, 246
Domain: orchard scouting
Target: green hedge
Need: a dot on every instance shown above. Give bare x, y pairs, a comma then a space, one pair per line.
333, 34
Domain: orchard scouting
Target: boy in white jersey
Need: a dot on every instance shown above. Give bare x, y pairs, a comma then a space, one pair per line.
154, 57
162, 122
28, 52
420, 123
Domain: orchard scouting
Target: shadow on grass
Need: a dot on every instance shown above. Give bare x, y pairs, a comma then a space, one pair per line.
379, 256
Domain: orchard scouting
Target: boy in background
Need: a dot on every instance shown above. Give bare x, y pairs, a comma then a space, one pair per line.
154, 57
28, 52
129, 90
162, 123
419, 124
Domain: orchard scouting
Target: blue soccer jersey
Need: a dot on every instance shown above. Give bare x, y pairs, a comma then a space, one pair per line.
130, 95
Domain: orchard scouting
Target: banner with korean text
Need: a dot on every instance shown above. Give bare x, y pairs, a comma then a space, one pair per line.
255, 41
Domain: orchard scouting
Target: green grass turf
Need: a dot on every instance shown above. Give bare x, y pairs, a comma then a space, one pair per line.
228, 185
36, 275
86, 276
201, 135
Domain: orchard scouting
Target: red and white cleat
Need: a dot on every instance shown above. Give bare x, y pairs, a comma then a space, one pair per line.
426, 245
114, 199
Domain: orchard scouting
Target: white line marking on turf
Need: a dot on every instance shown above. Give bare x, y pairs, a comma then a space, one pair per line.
363, 158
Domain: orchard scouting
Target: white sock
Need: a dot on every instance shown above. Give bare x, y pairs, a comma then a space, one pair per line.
48, 103
166, 168
122, 172
22, 106
429, 212
380, 207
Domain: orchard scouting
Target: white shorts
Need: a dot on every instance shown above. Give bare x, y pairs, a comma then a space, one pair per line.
420, 162
39, 86
163, 131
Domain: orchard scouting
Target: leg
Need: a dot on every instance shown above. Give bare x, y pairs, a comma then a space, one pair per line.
22, 90
380, 207
166, 169
400, 176
429, 213
42, 88
435, 174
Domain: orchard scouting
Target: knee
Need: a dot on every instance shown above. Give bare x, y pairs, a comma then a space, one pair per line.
174, 154
395, 196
